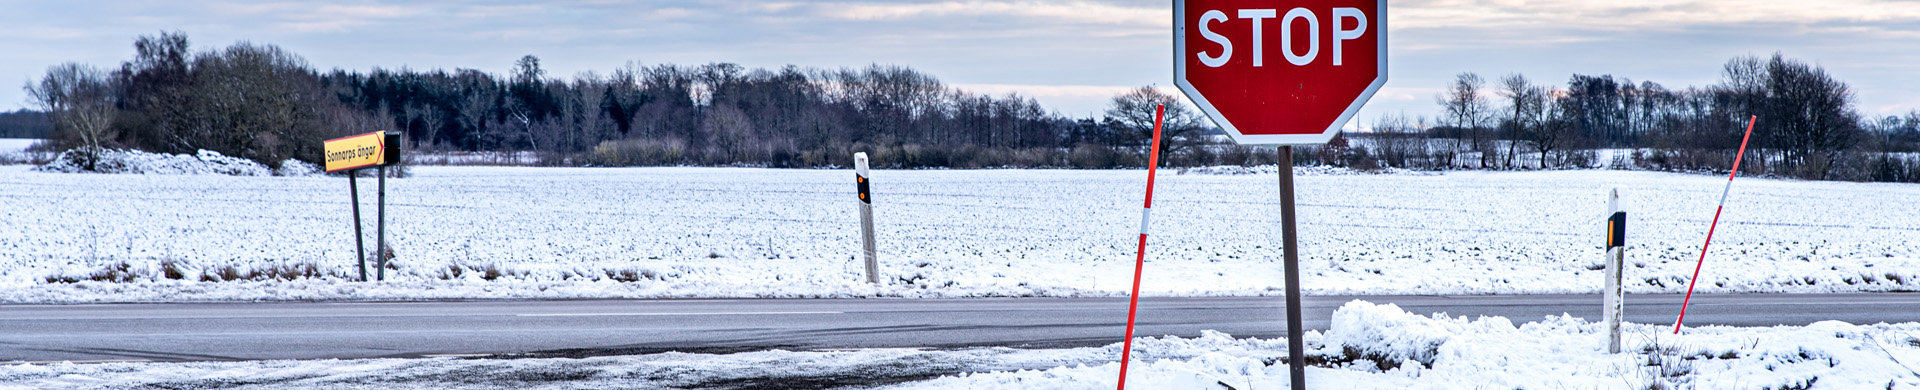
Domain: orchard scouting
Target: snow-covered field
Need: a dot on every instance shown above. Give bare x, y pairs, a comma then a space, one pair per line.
495, 232
1368, 347
15, 149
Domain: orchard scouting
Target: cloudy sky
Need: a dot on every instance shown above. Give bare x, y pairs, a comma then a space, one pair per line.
1070, 55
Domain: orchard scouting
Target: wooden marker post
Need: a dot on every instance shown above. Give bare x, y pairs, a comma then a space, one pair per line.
1614, 301
866, 217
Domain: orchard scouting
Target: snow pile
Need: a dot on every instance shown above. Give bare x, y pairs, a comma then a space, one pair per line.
1556, 352
1490, 352
205, 162
1387, 334
292, 167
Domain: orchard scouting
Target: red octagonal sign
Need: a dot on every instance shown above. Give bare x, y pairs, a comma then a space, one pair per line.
1282, 72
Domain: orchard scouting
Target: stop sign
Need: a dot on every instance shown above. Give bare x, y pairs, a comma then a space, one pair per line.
1280, 72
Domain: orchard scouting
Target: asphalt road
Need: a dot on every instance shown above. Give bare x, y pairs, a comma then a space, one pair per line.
314, 330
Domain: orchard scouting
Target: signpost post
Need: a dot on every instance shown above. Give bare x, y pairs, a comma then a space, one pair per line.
359, 247
1332, 58
1614, 300
866, 216
351, 154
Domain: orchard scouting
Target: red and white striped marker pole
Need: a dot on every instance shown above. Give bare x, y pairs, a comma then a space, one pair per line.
1716, 223
1140, 260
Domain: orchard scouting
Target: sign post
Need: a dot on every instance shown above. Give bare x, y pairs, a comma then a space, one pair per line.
380, 250
359, 248
1289, 239
866, 217
377, 149
1332, 57
1614, 300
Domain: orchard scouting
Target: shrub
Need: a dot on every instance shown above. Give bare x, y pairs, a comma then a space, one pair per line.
1093, 156
638, 152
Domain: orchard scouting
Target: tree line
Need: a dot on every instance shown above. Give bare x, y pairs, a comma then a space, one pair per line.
1807, 126
24, 123
263, 103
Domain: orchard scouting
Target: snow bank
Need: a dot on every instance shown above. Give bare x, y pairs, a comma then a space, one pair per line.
1555, 352
1490, 352
1387, 334
204, 162
292, 167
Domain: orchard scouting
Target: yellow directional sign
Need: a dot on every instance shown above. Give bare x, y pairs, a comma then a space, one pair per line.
358, 151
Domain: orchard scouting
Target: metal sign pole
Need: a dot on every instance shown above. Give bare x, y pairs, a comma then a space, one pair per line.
352, 155
359, 247
381, 242
1296, 346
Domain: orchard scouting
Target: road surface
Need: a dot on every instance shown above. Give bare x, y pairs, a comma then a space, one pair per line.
316, 330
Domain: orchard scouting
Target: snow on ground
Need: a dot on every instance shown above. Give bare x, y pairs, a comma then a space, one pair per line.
1383, 347
1368, 347
13, 150
497, 232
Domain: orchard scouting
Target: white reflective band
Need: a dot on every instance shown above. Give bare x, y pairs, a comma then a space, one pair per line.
1146, 215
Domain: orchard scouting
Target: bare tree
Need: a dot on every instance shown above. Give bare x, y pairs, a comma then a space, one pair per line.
1134, 111
1467, 110
79, 100
1526, 104
729, 129
477, 94
1556, 128
589, 112
1811, 116
1396, 142
430, 121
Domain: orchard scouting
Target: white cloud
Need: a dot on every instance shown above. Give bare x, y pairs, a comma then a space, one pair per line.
1056, 91
494, 11
303, 17
1625, 15
1406, 94
777, 7
1073, 12
44, 32
670, 13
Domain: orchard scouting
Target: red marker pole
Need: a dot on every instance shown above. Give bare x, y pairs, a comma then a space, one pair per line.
1714, 224
1140, 260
